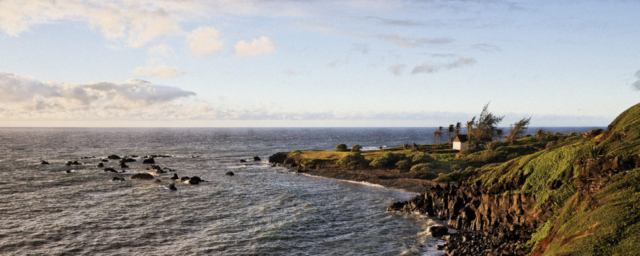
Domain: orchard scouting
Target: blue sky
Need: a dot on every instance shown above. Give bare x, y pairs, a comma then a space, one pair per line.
316, 63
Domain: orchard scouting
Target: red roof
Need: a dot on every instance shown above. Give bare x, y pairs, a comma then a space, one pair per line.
461, 138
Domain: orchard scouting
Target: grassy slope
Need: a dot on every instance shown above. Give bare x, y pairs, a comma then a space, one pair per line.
606, 223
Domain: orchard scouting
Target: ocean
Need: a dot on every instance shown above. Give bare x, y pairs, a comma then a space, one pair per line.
56, 209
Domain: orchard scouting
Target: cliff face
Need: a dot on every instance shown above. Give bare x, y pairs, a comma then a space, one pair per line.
557, 201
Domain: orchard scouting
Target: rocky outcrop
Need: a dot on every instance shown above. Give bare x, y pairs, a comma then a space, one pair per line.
503, 220
44, 162
257, 158
69, 163
175, 176
114, 157
149, 161
142, 176
110, 170
278, 158
229, 173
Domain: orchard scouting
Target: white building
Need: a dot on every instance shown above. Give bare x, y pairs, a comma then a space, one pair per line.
460, 142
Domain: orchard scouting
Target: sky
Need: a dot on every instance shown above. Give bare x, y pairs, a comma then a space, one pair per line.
293, 63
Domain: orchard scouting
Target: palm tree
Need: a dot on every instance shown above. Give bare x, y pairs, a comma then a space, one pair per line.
449, 131
435, 135
458, 128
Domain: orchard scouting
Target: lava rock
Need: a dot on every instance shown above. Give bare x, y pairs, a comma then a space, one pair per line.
110, 170
142, 176
256, 158
44, 162
122, 165
438, 231
175, 176
172, 187
100, 165
118, 179
195, 180
185, 178
127, 160
113, 157
243, 161
158, 181
148, 161
230, 173
278, 158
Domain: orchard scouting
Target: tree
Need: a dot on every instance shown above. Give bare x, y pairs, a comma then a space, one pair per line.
438, 135
435, 135
354, 159
449, 131
485, 128
356, 148
341, 147
517, 130
458, 124
539, 134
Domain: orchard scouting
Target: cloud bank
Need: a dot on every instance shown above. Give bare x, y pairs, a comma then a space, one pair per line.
21, 94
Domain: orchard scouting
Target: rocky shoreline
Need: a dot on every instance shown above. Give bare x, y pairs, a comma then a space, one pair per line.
485, 224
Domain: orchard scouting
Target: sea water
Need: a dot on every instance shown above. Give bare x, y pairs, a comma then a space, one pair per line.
56, 209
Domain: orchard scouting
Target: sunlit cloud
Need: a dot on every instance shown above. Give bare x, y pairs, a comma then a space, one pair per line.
260, 46
204, 41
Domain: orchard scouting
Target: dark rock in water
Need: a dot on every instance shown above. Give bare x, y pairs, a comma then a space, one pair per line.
438, 231
175, 176
67, 171
142, 176
156, 168
134, 155
278, 158
172, 187
243, 161
127, 160
148, 161
110, 170
118, 179
255, 158
104, 160
122, 165
158, 181
113, 157
100, 165
72, 163
185, 178
44, 162
230, 173
195, 180
154, 156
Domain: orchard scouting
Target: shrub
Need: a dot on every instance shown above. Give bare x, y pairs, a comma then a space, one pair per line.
421, 167
467, 151
356, 148
341, 147
404, 165
354, 159
421, 158
387, 160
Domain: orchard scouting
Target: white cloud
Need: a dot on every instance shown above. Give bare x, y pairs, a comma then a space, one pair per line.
262, 45
157, 71
411, 42
204, 41
161, 50
397, 69
432, 68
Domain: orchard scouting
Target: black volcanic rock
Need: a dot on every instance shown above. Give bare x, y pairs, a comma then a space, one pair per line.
142, 176
256, 158
148, 161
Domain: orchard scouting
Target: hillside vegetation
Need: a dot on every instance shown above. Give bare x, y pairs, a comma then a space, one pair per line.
585, 187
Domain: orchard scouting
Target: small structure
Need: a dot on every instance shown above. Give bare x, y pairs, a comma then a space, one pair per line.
460, 142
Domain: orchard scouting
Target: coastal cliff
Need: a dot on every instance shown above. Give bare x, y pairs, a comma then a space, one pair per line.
576, 198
